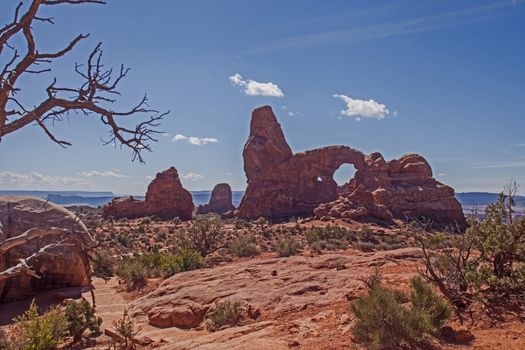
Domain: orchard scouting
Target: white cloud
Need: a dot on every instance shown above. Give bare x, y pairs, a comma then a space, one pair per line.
35, 180
520, 145
362, 108
254, 88
191, 176
442, 175
109, 173
197, 141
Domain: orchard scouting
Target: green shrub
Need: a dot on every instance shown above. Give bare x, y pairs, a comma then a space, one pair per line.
243, 246
104, 263
34, 332
226, 313
382, 322
133, 272
80, 316
125, 327
184, 259
316, 246
206, 234
487, 262
287, 246
240, 224
329, 232
366, 234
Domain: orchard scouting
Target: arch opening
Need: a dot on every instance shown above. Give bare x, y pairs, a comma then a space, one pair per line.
344, 174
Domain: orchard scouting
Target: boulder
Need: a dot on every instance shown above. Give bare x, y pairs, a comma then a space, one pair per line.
165, 199
59, 267
220, 200
186, 315
283, 185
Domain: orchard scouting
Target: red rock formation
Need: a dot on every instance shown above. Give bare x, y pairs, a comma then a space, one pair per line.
165, 198
57, 268
282, 184
220, 200
401, 188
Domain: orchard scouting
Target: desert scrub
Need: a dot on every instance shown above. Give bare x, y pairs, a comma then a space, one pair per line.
104, 263
133, 272
125, 328
287, 246
485, 263
383, 322
80, 316
206, 234
34, 332
226, 313
184, 259
243, 246
366, 234
329, 232
365, 246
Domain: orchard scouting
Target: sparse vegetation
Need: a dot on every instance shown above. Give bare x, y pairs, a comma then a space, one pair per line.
125, 328
243, 246
287, 246
226, 313
383, 322
133, 272
184, 259
206, 234
80, 316
103, 263
34, 332
487, 262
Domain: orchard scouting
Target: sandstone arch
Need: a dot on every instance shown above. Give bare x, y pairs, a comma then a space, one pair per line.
282, 184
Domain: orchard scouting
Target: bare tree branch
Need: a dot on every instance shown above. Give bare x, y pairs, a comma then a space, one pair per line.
27, 236
23, 267
95, 94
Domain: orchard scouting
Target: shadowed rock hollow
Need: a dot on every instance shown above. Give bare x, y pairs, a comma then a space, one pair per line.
165, 198
58, 267
282, 184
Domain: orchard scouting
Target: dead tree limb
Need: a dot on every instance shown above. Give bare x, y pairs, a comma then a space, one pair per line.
94, 95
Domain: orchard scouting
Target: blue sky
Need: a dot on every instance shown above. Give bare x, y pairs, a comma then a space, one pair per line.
445, 79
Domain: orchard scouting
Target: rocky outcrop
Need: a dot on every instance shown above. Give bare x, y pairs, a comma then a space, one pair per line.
282, 184
165, 199
220, 200
58, 267
187, 314
302, 282
398, 189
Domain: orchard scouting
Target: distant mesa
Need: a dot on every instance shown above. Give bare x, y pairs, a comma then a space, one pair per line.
220, 200
283, 185
165, 199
